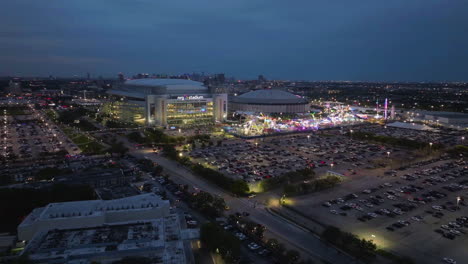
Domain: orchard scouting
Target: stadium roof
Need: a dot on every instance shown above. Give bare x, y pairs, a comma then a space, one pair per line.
139, 88
268, 97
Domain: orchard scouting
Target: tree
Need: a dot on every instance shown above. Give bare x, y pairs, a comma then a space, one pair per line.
292, 256
158, 169
170, 152
240, 187
272, 243
216, 239
117, 147
219, 204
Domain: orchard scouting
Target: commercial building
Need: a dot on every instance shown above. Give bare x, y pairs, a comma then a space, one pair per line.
166, 102
83, 214
448, 119
268, 101
161, 240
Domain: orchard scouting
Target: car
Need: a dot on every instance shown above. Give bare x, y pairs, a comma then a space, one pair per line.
252, 196
333, 212
389, 228
264, 252
449, 236
449, 260
253, 246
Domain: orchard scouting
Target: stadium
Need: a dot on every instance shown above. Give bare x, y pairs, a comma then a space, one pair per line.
166, 102
269, 101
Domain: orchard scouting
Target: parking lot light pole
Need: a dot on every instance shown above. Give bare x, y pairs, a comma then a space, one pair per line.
430, 147
458, 200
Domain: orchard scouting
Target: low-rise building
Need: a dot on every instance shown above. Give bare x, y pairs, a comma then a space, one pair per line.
162, 240
83, 214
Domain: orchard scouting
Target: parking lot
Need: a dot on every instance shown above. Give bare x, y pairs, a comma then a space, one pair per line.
30, 136
257, 159
419, 212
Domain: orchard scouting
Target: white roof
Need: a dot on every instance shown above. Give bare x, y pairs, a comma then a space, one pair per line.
94, 207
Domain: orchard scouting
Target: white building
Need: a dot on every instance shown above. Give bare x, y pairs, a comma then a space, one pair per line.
167, 102
82, 214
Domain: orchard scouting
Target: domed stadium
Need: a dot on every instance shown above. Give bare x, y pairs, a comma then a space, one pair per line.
166, 102
268, 101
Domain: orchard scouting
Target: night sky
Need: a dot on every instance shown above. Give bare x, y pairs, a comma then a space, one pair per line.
369, 40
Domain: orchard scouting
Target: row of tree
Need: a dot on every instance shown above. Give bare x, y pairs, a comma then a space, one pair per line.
287, 178
238, 187
365, 250
315, 185
458, 151
207, 204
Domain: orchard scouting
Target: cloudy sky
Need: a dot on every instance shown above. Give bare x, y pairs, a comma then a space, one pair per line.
369, 40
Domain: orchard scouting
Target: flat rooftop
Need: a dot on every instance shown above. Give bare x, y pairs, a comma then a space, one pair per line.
94, 207
160, 237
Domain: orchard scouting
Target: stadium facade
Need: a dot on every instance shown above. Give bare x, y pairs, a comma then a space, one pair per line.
166, 102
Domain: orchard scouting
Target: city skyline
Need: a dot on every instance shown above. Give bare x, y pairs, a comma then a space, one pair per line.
365, 41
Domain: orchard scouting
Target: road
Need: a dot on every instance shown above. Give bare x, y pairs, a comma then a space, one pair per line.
290, 234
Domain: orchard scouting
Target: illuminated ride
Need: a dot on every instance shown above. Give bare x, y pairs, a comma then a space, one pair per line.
257, 124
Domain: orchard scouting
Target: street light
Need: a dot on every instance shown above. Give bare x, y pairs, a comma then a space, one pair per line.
308, 137
458, 200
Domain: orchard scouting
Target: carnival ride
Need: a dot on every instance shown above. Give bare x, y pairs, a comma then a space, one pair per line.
257, 124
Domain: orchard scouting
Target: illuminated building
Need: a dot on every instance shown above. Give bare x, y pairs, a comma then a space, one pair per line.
166, 102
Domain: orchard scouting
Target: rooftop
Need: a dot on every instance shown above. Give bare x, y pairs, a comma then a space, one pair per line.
160, 237
93, 207
269, 97
139, 88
